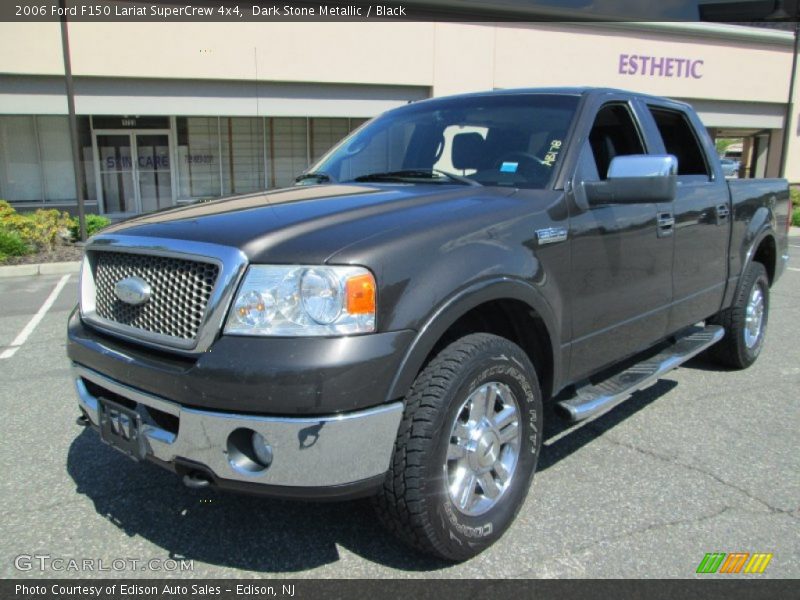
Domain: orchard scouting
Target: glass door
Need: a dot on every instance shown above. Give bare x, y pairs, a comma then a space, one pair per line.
134, 173
153, 174
115, 173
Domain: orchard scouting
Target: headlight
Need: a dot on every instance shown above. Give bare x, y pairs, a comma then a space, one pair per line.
278, 300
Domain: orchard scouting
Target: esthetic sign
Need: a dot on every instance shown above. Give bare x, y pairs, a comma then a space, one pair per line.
660, 66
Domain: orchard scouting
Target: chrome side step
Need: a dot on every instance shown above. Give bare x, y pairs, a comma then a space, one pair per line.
592, 400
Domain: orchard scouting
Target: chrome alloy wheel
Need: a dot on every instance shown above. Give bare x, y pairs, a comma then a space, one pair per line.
754, 317
484, 449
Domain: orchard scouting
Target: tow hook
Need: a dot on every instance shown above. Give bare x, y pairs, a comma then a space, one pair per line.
196, 481
83, 421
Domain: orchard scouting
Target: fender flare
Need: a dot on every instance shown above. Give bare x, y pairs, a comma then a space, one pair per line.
456, 306
764, 231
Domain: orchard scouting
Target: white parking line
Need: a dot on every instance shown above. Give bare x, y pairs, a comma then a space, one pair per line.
25, 333
793, 269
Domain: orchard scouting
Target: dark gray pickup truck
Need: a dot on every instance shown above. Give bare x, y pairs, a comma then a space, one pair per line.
393, 325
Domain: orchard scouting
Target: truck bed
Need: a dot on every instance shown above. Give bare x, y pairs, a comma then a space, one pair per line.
751, 200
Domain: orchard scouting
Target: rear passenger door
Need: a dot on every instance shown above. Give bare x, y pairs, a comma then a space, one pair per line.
621, 271
702, 215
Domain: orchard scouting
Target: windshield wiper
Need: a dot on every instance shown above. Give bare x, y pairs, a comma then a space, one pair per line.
406, 174
319, 176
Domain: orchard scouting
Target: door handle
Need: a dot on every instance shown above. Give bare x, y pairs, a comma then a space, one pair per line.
723, 212
666, 223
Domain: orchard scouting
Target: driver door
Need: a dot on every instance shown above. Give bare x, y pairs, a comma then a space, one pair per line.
621, 260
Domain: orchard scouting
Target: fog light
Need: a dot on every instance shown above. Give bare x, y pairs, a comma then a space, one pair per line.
261, 449
248, 452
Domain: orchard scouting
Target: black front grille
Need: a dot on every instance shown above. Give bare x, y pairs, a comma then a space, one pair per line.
180, 290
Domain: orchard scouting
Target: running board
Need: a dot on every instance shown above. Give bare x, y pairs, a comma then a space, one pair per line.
592, 400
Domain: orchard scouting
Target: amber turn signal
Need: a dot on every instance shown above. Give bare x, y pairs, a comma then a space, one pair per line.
361, 295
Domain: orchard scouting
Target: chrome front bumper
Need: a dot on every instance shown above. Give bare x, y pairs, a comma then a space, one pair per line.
308, 452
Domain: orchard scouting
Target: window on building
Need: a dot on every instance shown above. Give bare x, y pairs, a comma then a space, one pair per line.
87, 157
243, 149
20, 167
198, 148
680, 140
56, 153
36, 158
287, 149
356, 123
220, 156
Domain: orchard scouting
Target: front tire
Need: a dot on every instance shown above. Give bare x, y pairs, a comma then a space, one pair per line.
745, 322
466, 449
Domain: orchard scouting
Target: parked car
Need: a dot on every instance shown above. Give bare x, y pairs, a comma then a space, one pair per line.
730, 167
395, 328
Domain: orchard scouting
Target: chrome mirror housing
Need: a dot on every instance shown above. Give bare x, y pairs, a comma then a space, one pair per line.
634, 179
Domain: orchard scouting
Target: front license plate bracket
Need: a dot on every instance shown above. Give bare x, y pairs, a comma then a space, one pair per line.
121, 428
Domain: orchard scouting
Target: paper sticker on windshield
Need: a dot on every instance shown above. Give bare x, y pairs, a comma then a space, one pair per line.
509, 167
552, 154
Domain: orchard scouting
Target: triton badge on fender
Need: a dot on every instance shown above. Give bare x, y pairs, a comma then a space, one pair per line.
551, 235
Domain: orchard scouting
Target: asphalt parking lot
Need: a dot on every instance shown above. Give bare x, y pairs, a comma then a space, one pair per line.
703, 461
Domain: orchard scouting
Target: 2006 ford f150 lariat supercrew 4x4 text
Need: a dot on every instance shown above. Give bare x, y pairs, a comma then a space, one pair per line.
393, 325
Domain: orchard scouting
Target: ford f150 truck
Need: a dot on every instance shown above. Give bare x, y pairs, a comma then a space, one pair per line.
393, 325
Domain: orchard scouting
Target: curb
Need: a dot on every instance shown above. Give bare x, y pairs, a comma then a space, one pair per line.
56, 268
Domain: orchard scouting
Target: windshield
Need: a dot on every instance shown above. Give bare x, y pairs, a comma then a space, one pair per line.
508, 140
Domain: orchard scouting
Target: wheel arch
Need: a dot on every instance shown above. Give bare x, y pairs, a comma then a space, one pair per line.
766, 253
760, 230
762, 249
510, 308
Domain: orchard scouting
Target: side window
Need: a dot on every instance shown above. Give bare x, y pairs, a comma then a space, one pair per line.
614, 133
681, 141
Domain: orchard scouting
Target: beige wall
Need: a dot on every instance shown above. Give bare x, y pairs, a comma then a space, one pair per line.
31, 48
464, 59
449, 57
793, 156
374, 53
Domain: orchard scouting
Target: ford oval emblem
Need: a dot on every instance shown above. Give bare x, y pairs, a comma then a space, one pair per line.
133, 290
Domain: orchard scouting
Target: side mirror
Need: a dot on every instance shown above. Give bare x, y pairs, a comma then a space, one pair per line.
637, 178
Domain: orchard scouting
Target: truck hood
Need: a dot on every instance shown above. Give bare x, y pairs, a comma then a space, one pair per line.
306, 224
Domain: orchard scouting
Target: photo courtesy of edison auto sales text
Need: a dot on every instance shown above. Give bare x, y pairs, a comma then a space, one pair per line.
168, 590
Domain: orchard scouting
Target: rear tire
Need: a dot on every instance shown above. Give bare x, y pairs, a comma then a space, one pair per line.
745, 322
466, 449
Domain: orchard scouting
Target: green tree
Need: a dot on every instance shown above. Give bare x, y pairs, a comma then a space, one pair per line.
723, 144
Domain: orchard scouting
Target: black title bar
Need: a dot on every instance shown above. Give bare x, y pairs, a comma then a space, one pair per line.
733, 588
412, 10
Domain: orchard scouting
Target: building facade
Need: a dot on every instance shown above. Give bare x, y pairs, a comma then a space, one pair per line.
169, 113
